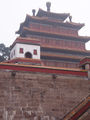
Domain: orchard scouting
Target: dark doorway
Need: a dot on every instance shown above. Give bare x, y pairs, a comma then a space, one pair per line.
28, 55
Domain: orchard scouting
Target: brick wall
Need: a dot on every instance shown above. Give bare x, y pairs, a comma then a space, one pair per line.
35, 96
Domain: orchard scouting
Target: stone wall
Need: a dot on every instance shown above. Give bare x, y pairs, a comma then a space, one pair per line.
35, 96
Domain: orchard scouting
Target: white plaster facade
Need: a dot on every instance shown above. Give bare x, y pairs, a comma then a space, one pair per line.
15, 51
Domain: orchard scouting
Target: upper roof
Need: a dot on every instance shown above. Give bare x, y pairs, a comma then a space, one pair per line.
55, 19
60, 16
46, 20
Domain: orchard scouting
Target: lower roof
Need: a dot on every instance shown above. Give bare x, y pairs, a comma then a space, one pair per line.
44, 69
23, 40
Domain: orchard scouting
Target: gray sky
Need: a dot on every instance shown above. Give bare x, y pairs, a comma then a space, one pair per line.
13, 12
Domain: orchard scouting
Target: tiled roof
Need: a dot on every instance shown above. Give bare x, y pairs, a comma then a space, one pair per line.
50, 20
26, 41
47, 20
61, 16
82, 38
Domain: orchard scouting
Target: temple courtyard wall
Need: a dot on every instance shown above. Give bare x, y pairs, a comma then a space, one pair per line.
39, 96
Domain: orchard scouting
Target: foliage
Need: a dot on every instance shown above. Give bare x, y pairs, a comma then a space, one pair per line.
4, 52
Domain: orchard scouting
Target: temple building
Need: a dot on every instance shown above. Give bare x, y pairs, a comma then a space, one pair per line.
47, 36
48, 74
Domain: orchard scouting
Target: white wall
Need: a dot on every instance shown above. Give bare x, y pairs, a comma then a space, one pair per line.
12, 55
26, 48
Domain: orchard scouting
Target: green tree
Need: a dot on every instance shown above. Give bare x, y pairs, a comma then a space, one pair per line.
4, 52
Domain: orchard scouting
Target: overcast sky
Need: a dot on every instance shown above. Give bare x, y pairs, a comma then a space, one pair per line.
13, 12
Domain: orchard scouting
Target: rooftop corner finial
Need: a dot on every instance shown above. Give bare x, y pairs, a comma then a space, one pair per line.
48, 5
33, 11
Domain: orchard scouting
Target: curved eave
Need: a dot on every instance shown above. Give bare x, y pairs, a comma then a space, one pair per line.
62, 16
53, 34
77, 26
23, 24
20, 28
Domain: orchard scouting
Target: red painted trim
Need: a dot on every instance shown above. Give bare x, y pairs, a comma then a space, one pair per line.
81, 111
41, 69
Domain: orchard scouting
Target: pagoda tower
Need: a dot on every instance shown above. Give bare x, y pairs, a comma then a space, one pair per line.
48, 37
48, 74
